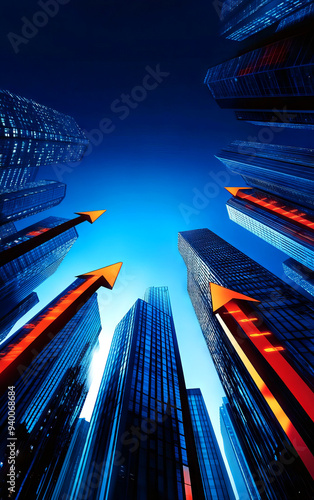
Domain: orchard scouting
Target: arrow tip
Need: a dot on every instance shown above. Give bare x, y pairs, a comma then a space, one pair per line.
221, 296
92, 216
108, 273
234, 190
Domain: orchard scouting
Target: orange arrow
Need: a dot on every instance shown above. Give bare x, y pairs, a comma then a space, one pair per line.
37, 335
234, 190
221, 296
45, 234
92, 216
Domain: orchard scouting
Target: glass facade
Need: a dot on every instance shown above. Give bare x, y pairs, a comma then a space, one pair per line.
34, 197
22, 275
7, 230
49, 395
239, 467
277, 119
215, 478
300, 275
7, 323
244, 18
285, 171
32, 135
15, 177
290, 318
140, 443
278, 75
281, 225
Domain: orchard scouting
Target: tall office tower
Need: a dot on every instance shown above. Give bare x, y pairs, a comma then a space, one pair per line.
49, 395
215, 478
23, 275
244, 18
32, 135
16, 177
270, 421
71, 462
288, 227
239, 467
277, 118
7, 323
7, 230
277, 78
301, 275
140, 443
285, 171
15, 204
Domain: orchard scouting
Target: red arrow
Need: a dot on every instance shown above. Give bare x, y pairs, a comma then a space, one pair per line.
287, 213
38, 335
227, 304
46, 235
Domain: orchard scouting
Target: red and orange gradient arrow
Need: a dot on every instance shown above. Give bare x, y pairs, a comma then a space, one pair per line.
37, 238
231, 312
25, 348
294, 215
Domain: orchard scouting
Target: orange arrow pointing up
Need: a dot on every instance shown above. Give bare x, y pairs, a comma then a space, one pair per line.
221, 296
109, 273
92, 216
234, 190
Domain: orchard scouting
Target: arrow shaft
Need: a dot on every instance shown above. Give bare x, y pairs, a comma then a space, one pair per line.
282, 418
231, 316
22, 352
16, 251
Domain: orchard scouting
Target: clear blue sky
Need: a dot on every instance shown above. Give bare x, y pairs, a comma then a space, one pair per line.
152, 163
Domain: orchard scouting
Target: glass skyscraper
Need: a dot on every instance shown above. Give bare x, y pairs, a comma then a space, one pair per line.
7, 322
285, 171
241, 473
277, 118
300, 275
244, 18
283, 225
275, 77
32, 135
49, 395
140, 442
24, 274
274, 463
7, 230
215, 478
16, 177
34, 197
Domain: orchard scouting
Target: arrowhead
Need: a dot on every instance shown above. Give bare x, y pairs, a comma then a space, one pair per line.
234, 191
221, 296
92, 216
109, 274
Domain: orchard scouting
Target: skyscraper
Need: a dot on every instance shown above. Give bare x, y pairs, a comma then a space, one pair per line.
7, 230
215, 478
34, 197
244, 18
16, 177
7, 323
285, 171
282, 224
23, 275
49, 395
288, 318
140, 443
276, 78
300, 275
241, 473
32, 135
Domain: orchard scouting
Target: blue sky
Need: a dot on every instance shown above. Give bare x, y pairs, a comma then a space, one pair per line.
151, 171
